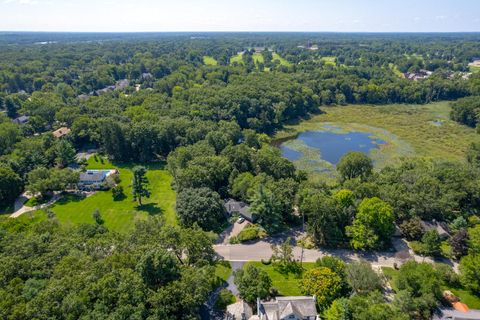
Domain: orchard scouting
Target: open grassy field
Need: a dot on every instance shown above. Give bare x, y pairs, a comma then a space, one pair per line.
283, 62
119, 215
287, 284
395, 70
209, 61
474, 69
471, 300
237, 58
258, 58
409, 130
330, 60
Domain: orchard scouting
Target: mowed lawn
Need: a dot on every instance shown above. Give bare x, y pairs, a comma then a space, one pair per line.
120, 215
209, 61
330, 60
237, 58
283, 62
287, 284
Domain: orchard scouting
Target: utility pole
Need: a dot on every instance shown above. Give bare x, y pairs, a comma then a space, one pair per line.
303, 231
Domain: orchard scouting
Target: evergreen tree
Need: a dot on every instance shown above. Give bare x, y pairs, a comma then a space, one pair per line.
139, 184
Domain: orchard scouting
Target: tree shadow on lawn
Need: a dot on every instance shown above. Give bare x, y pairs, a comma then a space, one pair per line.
292, 268
157, 165
150, 208
68, 199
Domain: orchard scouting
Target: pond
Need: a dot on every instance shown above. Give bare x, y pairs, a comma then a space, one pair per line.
331, 145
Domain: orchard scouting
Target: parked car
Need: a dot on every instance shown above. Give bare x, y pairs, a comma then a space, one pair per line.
241, 220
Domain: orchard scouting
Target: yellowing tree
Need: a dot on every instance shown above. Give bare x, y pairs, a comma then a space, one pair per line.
323, 283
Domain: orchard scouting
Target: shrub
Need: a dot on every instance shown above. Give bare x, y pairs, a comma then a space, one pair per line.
225, 298
412, 229
117, 193
251, 232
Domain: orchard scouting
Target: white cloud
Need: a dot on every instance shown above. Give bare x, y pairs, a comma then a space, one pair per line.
24, 2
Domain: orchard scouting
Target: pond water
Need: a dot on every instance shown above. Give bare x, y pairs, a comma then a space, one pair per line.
332, 145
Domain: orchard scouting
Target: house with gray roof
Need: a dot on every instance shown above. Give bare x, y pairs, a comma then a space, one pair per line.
288, 308
21, 120
94, 179
441, 227
238, 311
239, 207
452, 314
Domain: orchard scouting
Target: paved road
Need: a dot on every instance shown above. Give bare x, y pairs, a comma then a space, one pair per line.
262, 250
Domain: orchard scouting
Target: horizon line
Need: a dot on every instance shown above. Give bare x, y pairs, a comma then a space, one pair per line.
236, 31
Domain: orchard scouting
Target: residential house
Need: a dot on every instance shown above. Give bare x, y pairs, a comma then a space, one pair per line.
63, 131
452, 314
94, 179
441, 227
122, 84
238, 207
21, 120
239, 311
416, 76
287, 308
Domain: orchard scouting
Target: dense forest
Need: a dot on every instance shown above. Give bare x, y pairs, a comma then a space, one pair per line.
152, 98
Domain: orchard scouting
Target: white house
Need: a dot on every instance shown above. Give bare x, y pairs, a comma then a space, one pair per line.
93, 179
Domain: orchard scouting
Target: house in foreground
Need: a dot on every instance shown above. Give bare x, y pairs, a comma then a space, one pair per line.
94, 179
239, 207
452, 314
287, 308
239, 311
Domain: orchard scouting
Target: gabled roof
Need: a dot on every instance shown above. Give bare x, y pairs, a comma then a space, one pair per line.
441, 228
282, 307
61, 132
234, 206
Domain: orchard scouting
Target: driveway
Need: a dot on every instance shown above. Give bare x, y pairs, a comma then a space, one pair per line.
20, 208
232, 231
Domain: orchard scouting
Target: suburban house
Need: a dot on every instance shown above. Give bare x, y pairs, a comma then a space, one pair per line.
442, 228
287, 308
122, 84
21, 120
93, 179
452, 314
63, 131
238, 207
239, 311
420, 75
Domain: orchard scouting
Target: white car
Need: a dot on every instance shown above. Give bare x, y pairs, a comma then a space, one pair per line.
241, 220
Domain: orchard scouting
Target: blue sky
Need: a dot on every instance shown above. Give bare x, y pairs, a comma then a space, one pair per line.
241, 15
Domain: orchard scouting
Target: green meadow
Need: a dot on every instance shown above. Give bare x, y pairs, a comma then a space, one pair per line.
118, 215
